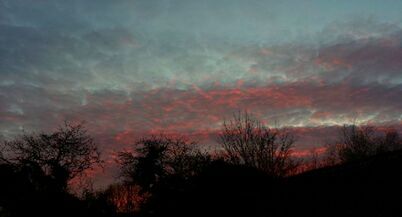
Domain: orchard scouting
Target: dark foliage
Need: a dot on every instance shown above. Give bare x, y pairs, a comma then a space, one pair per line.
369, 187
61, 155
157, 157
221, 189
168, 177
35, 170
160, 161
26, 191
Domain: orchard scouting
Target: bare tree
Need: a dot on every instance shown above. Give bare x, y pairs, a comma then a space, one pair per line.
126, 198
247, 141
61, 155
358, 142
331, 155
315, 162
390, 142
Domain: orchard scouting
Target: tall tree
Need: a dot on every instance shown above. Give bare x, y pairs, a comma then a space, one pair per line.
247, 141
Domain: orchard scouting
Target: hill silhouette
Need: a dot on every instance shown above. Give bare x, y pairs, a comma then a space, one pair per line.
369, 187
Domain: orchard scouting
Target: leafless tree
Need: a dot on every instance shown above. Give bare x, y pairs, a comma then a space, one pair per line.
315, 161
390, 142
126, 198
247, 141
61, 155
358, 142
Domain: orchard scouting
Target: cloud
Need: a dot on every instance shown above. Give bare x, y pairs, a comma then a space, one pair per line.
360, 61
365, 60
200, 108
138, 67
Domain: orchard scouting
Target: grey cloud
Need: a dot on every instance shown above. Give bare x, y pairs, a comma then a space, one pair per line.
369, 59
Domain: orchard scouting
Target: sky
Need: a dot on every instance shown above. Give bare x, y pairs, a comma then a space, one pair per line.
136, 67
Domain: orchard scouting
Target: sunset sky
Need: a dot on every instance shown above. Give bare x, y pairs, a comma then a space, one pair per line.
133, 67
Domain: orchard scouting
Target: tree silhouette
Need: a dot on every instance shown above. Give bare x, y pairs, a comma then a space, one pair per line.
61, 155
247, 141
358, 142
146, 168
159, 156
390, 142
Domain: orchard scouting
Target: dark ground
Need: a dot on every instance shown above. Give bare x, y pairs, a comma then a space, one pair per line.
371, 187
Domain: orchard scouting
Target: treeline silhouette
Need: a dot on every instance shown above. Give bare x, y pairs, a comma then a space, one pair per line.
254, 174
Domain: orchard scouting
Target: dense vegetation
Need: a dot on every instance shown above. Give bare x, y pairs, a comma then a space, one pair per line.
254, 175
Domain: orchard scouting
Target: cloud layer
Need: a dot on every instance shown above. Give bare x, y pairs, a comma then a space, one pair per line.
130, 68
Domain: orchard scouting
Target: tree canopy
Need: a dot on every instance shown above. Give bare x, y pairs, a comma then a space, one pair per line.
61, 155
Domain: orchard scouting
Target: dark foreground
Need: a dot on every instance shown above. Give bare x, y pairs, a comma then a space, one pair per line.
371, 187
